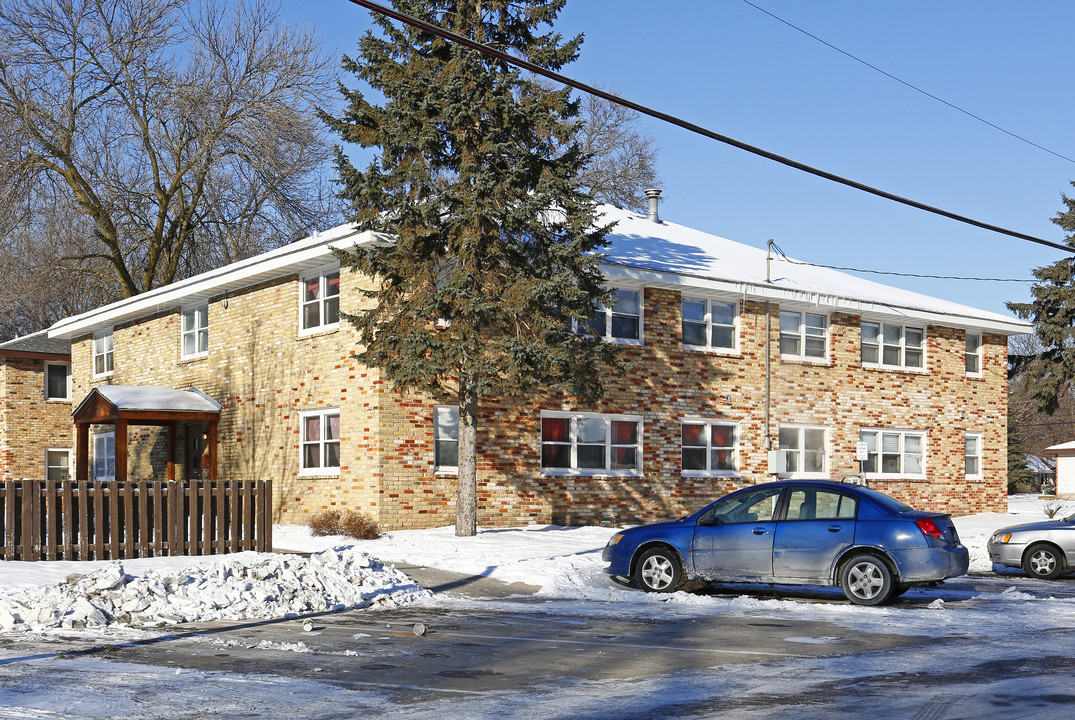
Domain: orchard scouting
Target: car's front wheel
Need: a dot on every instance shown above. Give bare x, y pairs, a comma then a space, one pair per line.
659, 570
1043, 561
866, 580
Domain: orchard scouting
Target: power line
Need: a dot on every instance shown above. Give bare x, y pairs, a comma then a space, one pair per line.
674, 120
898, 274
907, 84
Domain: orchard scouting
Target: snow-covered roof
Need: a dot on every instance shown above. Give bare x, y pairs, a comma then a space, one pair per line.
1062, 447
640, 251
296, 257
668, 254
155, 397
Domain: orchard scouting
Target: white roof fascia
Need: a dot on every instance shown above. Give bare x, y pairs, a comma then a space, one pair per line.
804, 299
295, 257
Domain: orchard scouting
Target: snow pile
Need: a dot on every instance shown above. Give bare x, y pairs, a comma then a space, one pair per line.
238, 587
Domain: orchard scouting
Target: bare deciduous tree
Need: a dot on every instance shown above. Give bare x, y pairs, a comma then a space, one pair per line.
623, 158
183, 134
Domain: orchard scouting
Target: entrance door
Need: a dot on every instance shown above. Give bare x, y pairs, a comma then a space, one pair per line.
197, 441
104, 456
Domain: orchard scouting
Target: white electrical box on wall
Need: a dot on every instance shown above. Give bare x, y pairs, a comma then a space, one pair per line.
778, 461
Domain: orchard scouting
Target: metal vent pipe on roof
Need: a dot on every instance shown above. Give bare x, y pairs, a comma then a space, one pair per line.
653, 199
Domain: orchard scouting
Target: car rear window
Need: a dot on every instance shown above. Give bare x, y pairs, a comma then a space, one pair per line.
890, 504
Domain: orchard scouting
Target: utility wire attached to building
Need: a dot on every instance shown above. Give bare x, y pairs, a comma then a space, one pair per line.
672, 119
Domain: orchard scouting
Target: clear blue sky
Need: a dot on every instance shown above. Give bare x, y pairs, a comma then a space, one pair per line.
726, 66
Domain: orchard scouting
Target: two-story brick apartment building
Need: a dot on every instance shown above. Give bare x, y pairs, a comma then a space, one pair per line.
35, 408
728, 364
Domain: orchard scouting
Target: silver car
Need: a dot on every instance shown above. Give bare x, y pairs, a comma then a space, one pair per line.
1044, 550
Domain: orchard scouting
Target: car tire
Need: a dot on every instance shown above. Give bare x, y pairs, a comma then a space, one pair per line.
659, 570
1043, 561
866, 580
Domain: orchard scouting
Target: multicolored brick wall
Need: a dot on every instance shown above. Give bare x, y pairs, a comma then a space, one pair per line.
29, 424
265, 373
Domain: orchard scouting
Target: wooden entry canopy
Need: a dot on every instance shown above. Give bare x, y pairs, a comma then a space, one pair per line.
123, 405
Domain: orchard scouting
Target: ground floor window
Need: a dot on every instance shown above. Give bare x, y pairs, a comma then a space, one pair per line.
894, 452
104, 456
591, 444
709, 447
321, 441
973, 455
805, 447
446, 438
58, 463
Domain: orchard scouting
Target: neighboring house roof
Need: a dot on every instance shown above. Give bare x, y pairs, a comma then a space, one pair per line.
639, 251
1038, 465
1061, 448
37, 345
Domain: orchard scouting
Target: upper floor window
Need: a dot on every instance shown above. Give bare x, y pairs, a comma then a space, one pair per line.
588, 444
446, 437
321, 300
57, 381
708, 448
973, 455
805, 448
102, 353
894, 452
58, 464
893, 346
321, 441
804, 335
974, 354
709, 324
623, 321
195, 335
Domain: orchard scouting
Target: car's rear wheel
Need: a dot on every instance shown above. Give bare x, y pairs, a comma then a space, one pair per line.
1043, 561
866, 580
659, 570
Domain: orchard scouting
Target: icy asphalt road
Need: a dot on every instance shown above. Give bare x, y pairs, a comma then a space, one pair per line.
525, 656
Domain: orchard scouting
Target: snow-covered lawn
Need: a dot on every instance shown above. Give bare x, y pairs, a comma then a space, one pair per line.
564, 562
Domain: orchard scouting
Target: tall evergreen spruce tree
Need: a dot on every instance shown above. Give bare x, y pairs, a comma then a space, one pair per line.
1052, 370
496, 251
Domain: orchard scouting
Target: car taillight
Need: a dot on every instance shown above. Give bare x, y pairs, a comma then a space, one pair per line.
929, 528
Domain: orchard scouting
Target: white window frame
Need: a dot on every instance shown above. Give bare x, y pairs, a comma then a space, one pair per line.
802, 334
707, 321
194, 323
52, 450
794, 455
709, 448
104, 450
976, 455
978, 356
322, 300
445, 431
902, 435
103, 349
606, 317
322, 442
67, 382
902, 347
573, 442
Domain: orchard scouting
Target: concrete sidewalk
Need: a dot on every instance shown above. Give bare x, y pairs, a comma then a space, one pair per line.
445, 582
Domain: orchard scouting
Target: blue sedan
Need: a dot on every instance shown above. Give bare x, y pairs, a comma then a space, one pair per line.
794, 532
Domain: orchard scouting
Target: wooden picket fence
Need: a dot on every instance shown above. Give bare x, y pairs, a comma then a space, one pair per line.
69, 520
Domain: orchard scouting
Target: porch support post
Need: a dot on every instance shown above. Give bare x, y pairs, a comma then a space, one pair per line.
121, 450
212, 448
171, 426
82, 455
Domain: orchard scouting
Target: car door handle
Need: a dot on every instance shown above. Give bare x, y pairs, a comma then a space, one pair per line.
835, 528
760, 531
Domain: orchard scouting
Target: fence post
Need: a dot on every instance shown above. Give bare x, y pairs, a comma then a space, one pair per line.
31, 547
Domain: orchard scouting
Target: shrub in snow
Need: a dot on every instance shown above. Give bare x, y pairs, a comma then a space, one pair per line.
353, 524
239, 587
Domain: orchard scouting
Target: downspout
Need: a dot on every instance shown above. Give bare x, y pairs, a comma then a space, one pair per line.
768, 346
